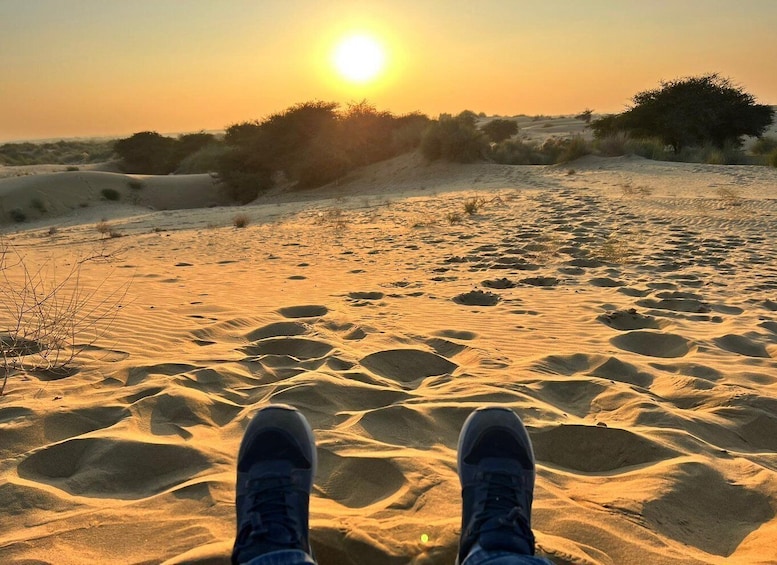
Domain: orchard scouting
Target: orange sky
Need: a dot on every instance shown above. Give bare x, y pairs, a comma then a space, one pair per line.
103, 67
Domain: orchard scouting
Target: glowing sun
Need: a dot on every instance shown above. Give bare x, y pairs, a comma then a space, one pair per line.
359, 58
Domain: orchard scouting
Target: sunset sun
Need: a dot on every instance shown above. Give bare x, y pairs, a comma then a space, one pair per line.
359, 58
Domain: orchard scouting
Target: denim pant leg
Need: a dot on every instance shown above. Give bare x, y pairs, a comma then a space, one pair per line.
480, 556
283, 557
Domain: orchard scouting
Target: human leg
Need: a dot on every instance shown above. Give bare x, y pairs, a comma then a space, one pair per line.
275, 469
496, 470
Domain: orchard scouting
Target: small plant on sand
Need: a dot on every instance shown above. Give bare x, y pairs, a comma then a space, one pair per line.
135, 184
333, 217
729, 196
71, 168
110, 194
632, 190
46, 320
18, 215
472, 205
241, 220
454, 217
38, 205
53, 230
102, 227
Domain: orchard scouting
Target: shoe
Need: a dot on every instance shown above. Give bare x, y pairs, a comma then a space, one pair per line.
275, 469
496, 470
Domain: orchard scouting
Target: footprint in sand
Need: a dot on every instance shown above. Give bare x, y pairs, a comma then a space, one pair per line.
670, 514
629, 320
357, 482
304, 311
653, 344
136, 469
477, 298
742, 345
407, 365
595, 449
499, 284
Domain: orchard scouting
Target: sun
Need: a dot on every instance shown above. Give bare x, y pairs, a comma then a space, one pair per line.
359, 58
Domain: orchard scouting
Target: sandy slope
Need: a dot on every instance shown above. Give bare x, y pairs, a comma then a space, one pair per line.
627, 312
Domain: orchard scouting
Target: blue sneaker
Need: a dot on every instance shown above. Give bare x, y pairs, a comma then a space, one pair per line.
275, 469
496, 470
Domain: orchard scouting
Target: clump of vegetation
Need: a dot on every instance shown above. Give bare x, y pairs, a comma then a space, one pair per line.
472, 205
65, 152
585, 115
110, 194
240, 220
148, 152
671, 114
574, 148
312, 144
103, 227
39, 205
499, 129
135, 184
455, 139
17, 215
454, 217
772, 158
204, 160
48, 321
764, 145
71, 169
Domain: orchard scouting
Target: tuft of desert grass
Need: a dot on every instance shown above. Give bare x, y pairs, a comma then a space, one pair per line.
240, 220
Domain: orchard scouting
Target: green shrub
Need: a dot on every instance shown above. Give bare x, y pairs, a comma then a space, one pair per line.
18, 215
110, 194
38, 205
613, 144
764, 145
516, 152
498, 130
204, 160
454, 139
772, 158
574, 149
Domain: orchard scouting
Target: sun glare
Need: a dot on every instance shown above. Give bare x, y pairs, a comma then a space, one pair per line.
359, 58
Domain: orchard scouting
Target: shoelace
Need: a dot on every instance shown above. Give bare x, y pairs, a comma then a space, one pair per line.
501, 511
273, 518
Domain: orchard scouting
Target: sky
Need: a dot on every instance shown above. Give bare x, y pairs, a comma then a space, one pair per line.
80, 68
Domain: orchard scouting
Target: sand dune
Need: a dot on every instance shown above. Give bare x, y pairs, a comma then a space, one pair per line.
626, 310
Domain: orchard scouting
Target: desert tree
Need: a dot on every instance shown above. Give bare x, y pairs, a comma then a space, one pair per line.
500, 129
691, 111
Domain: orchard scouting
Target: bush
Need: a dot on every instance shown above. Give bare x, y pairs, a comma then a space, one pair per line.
17, 215
772, 158
692, 111
146, 152
110, 194
516, 152
613, 144
454, 139
38, 205
764, 145
240, 220
71, 169
498, 130
204, 160
574, 149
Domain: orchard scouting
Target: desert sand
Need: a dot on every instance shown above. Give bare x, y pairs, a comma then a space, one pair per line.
625, 309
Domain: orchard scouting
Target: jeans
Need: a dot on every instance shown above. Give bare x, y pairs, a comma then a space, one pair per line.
478, 556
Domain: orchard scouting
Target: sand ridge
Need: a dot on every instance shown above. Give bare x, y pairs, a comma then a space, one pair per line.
626, 311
